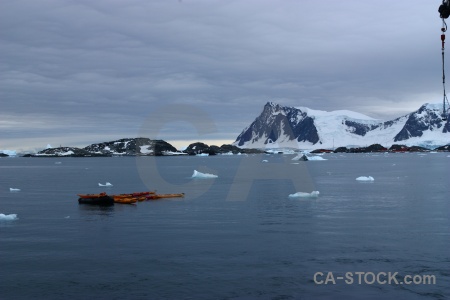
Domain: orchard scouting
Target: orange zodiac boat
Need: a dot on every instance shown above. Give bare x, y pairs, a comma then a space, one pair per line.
91, 196
125, 200
159, 196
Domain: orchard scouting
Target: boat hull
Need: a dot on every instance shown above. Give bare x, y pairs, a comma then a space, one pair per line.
103, 201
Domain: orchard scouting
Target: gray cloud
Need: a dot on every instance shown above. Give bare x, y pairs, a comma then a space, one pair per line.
103, 66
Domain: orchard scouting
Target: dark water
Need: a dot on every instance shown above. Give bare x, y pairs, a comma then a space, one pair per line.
235, 237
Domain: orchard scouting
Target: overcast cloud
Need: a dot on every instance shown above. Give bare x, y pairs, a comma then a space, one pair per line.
79, 72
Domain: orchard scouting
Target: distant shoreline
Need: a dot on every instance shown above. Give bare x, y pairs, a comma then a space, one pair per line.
161, 148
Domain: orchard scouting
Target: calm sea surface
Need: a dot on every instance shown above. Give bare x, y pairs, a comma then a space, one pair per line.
238, 236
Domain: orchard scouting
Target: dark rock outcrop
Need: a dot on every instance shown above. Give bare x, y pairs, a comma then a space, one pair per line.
419, 121
132, 146
443, 148
65, 152
200, 148
277, 121
403, 148
341, 150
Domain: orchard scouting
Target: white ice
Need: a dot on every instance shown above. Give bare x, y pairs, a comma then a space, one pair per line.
227, 153
202, 154
310, 157
106, 184
313, 194
14, 190
364, 178
9, 152
265, 160
146, 149
198, 174
316, 158
10, 217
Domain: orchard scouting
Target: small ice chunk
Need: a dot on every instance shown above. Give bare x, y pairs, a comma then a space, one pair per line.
365, 178
301, 156
313, 194
198, 174
202, 154
14, 190
265, 160
10, 217
106, 184
316, 158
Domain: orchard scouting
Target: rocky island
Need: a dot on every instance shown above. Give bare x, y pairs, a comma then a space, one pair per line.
139, 147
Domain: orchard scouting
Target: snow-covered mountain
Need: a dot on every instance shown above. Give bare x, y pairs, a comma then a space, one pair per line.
304, 128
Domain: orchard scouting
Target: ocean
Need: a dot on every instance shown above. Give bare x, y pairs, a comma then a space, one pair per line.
237, 236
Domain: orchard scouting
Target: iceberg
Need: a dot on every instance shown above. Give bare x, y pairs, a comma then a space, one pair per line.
10, 217
14, 190
171, 153
305, 157
313, 194
316, 158
301, 157
265, 160
106, 184
228, 153
202, 154
364, 178
198, 174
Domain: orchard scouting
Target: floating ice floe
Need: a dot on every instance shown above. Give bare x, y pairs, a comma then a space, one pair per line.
10, 217
106, 184
313, 194
202, 154
316, 158
265, 160
304, 157
14, 190
365, 178
227, 153
198, 174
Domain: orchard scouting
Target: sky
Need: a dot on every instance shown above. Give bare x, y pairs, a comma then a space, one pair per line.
78, 72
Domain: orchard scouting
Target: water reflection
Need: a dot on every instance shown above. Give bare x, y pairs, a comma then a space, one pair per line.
97, 210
